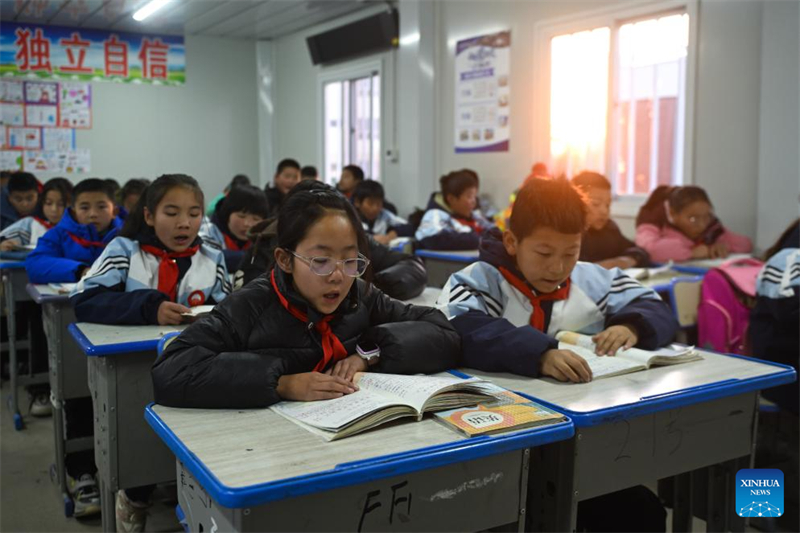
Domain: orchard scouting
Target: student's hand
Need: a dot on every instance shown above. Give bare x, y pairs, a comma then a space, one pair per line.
169, 313
10, 244
612, 339
717, 250
385, 239
565, 365
347, 367
311, 386
700, 251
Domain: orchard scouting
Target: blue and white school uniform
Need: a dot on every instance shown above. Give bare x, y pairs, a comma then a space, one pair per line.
122, 287
486, 304
441, 229
26, 230
385, 222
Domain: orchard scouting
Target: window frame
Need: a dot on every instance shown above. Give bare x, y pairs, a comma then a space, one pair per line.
383, 66
613, 17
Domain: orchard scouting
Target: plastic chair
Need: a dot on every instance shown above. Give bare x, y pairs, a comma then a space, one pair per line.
165, 340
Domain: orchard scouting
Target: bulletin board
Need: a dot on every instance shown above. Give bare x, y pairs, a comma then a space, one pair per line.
38, 120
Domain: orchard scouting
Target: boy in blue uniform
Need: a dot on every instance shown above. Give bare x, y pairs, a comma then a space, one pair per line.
67, 251
527, 286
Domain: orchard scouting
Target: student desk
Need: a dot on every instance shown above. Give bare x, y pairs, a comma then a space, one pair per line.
14, 280
253, 470
427, 298
67, 366
701, 266
682, 291
127, 453
638, 427
440, 264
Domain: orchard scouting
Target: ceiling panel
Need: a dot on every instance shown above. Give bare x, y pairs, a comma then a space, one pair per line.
244, 19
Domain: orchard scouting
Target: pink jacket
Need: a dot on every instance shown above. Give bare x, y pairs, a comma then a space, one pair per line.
668, 243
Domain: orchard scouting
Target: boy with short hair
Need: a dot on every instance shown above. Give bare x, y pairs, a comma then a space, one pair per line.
68, 250
287, 175
452, 220
603, 243
529, 285
309, 173
379, 222
19, 198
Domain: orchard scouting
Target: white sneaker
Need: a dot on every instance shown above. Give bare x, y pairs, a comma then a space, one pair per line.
85, 496
40, 406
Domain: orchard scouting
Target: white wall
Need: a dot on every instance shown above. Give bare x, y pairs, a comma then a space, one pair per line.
733, 118
206, 128
779, 147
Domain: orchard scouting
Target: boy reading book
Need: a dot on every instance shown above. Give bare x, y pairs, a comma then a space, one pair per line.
529, 285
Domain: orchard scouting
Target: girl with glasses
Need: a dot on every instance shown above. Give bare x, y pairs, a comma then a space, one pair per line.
303, 329
679, 224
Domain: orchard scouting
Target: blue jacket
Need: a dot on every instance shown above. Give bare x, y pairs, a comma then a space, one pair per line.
8, 215
441, 230
59, 256
122, 285
492, 316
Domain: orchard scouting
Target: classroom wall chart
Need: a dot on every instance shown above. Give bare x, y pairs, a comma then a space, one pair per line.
482, 93
38, 120
56, 52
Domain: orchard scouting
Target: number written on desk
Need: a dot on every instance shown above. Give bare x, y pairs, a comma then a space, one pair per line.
400, 500
670, 437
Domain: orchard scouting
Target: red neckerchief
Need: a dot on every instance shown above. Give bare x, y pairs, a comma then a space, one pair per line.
471, 222
231, 244
168, 269
537, 316
332, 348
86, 243
44, 222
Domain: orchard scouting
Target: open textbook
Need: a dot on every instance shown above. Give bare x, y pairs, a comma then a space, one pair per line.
507, 411
642, 274
381, 398
625, 361
196, 312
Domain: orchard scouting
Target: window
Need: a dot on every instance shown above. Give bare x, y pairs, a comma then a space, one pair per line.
618, 101
352, 126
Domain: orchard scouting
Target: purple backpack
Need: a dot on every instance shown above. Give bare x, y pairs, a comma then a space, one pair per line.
726, 298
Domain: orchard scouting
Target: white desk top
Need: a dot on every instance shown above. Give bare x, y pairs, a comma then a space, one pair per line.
712, 263
663, 278
105, 334
248, 447
632, 388
428, 297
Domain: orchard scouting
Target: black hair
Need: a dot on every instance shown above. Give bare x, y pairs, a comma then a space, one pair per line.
368, 189
152, 196
114, 184
62, 186
22, 182
309, 172
356, 171
133, 186
305, 205
93, 185
243, 198
788, 239
548, 203
287, 163
457, 182
678, 198
6, 174
591, 180
239, 180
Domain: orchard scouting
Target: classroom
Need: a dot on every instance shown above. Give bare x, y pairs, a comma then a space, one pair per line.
399, 265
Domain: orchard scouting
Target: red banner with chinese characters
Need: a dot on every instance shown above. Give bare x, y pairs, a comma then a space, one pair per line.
81, 54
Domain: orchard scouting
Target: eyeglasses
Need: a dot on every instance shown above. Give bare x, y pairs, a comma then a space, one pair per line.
325, 266
702, 219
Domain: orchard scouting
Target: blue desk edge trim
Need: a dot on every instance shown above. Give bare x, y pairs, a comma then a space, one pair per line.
444, 256
110, 349
678, 398
348, 474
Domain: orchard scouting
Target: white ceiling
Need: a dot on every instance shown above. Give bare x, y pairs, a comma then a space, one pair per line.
242, 19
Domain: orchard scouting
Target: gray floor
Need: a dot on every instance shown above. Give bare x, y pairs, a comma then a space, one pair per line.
29, 501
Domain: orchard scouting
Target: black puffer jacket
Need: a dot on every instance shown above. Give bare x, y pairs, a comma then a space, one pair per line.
402, 276
234, 357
